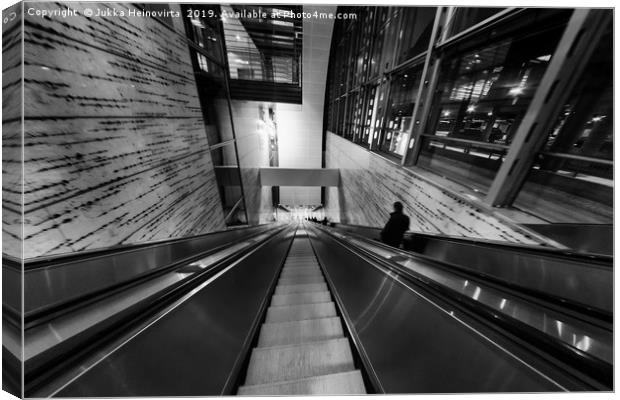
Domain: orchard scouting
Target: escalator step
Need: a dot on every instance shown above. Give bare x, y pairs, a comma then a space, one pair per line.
341, 383
300, 312
298, 280
282, 363
296, 332
310, 287
300, 298
301, 274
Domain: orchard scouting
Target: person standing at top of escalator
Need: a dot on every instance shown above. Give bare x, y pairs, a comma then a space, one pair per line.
393, 232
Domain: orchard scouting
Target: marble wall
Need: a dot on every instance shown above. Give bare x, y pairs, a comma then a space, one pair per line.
369, 184
115, 146
11, 132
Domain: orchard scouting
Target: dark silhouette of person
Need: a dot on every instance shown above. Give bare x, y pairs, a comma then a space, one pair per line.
393, 232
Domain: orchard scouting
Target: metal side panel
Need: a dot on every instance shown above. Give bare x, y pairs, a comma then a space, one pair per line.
63, 279
415, 345
192, 349
579, 280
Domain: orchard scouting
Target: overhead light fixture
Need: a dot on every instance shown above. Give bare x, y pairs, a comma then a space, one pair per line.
471, 109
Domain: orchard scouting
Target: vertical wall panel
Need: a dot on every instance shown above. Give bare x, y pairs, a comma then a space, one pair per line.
11, 131
115, 146
12, 189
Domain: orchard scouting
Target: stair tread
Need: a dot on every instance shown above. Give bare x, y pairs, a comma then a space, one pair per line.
300, 298
300, 312
349, 382
301, 288
288, 362
300, 280
296, 332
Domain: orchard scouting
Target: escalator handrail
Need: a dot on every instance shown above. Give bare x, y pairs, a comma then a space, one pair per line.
129, 316
67, 303
58, 309
560, 302
605, 260
566, 354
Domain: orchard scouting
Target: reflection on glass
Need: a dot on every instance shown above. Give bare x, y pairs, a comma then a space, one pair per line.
262, 49
483, 94
403, 94
415, 31
469, 163
572, 179
466, 17
486, 92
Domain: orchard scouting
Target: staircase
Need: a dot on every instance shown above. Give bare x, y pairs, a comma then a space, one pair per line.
302, 349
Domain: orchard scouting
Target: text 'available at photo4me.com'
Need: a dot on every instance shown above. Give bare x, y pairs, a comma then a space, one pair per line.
44, 10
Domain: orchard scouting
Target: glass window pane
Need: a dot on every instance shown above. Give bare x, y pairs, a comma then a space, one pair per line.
466, 17
484, 93
469, 163
568, 190
404, 89
585, 126
572, 179
262, 49
415, 31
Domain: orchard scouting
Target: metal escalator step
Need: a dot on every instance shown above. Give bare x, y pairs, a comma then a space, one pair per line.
300, 312
298, 280
309, 287
297, 332
343, 383
301, 264
300, 298
282, 363
301, 274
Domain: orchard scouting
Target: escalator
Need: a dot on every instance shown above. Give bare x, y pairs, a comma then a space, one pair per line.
302, 348
297, 310
578, 281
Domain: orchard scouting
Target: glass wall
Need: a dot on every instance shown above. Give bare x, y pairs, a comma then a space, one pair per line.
403, 92
466, 17
415, 32
477, 97
482, 96
572, 177
263, 49
368, 101
206, 45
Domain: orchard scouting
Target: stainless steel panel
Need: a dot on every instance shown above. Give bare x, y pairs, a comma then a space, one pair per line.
63, 279
573, 332
193, 349
585, 238
417, 346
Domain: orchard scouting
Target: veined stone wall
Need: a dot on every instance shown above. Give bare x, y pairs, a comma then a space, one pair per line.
115, 148
12, 132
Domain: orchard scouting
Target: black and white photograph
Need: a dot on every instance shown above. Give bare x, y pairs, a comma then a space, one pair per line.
277, 199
